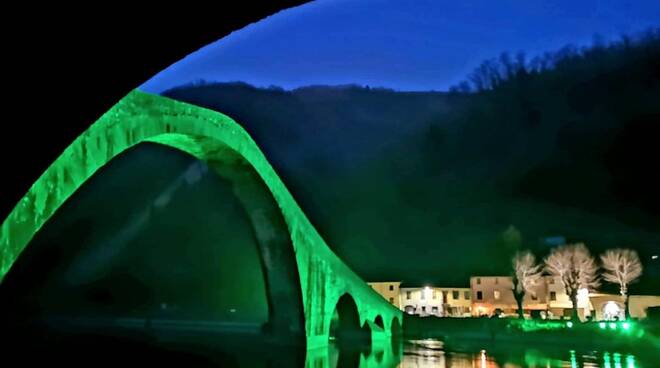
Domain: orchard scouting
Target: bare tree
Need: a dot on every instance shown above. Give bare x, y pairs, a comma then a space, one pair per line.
622, 267
526, 275
464, 87
521, 64
576, 268
509, 69
479, 78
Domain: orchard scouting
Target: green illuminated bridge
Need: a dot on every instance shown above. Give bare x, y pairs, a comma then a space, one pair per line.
307, 284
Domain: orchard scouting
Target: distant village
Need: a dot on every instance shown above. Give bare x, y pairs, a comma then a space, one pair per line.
544, 291
493, 295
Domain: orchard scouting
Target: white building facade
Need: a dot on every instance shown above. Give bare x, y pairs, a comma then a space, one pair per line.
436, 301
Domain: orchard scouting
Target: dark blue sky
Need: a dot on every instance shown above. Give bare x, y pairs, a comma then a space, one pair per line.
405, 45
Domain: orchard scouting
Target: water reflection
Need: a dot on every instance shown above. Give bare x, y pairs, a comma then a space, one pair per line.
176, 347
435, 354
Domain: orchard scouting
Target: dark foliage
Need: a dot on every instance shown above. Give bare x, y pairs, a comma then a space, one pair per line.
563, 144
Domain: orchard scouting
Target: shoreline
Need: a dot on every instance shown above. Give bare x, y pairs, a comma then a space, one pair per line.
583, 336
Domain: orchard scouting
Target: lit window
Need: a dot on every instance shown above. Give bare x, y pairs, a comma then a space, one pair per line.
407, 294
496, 294
466, 295
455, 294
391, 287
553, 296
434, 310
480, 295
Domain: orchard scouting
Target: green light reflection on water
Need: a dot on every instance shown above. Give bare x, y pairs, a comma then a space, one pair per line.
425, 354
606, 361
617, 360
573, 359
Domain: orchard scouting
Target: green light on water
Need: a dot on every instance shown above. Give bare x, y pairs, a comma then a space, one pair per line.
617, 360
612, 326
630, 361
573, 359
602, 325
606, 361
626, 325
569, 324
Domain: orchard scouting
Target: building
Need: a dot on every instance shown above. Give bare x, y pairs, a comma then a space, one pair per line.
457, 302
389, 290
423, 301
493, 295
639, 304
607, 307
559, 303
436, 301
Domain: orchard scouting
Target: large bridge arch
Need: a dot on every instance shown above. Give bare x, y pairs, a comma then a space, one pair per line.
215, 138
113, 135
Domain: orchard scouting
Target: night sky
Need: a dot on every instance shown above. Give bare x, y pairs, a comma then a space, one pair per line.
404, 45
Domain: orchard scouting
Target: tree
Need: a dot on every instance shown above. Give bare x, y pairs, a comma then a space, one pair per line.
622, 267
521, 64
576, 268
508, 67
526, 275
464, 87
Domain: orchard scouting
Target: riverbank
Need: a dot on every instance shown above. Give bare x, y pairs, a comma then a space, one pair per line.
629, 336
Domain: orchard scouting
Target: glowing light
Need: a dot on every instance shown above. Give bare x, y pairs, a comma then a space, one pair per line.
483, 359
655, 256
612, 326
611, 310
583, 293
569, 324
630, 361
626, 325
602, 325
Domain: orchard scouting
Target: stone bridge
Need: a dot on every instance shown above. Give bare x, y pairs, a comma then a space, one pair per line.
307, 284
